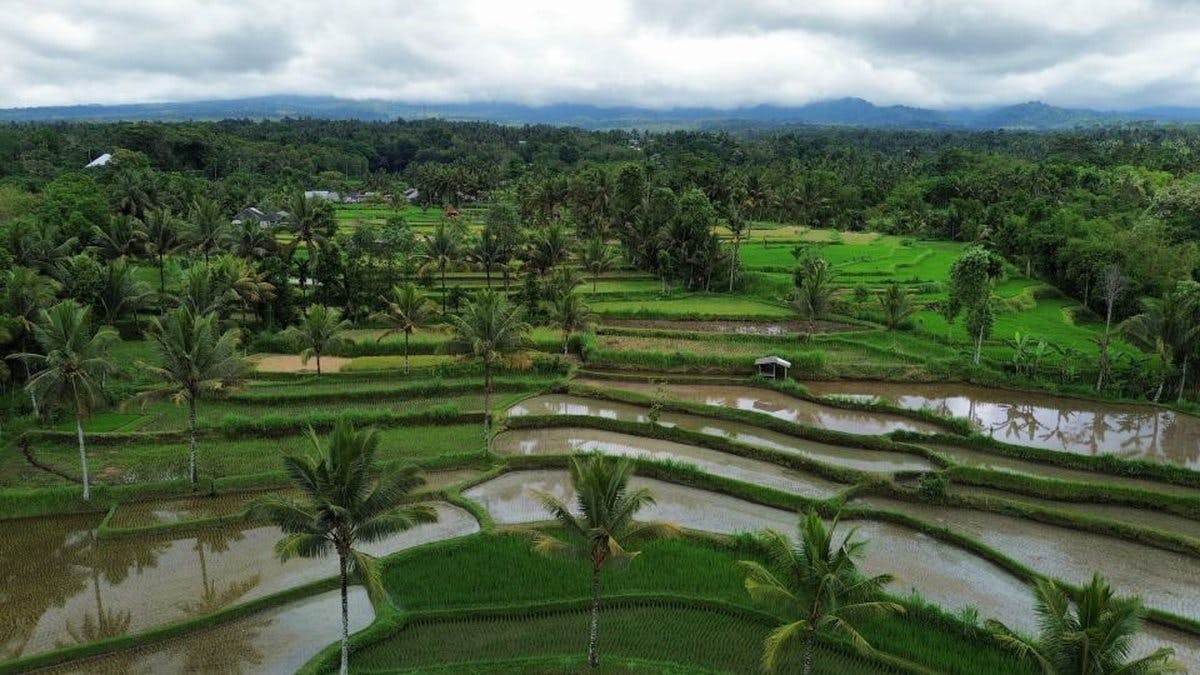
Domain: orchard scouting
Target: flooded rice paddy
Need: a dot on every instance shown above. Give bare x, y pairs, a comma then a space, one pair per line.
776, 404
89, 588
165, 511
1128, 515
999, 462
1046, 421
560, 441
272, 641
874, 461
941, 573
1165, 580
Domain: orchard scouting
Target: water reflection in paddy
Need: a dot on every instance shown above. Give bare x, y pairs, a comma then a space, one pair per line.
560, 441
88, 589
162, 511
1047, 421
1164, 579
999, 462
942, 573
776, 404
853, 458
276, 640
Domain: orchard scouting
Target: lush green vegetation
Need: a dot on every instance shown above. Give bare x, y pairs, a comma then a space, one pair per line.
1060, 262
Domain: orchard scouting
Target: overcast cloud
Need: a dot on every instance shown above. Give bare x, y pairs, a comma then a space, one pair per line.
658, 53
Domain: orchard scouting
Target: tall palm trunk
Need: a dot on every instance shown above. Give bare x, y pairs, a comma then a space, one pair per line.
443, 266
162, 278
737, 244
594, 630
487, 406
317, 352
406, 334
345, 669
192, 440
566, 340
1182, 380
809, 639
83, 463
978, 346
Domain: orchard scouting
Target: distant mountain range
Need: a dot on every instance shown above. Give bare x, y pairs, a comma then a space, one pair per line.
843, 112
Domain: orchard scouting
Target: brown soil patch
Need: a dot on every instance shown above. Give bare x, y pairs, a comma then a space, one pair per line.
290, 363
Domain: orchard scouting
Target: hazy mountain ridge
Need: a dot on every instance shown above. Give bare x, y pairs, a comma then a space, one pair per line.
845, 111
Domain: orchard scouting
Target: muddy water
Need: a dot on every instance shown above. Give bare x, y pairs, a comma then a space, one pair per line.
943, 574
853, 458
1156, 520
560, 441
87, 589
1164, 580
276, 640
775, 404
158, 512
997, 462
1046, 421
1186, 645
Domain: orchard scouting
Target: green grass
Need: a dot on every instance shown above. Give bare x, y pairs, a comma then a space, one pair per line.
694, 306
679, 635
219, 457
502, 570
370, 363
108, 421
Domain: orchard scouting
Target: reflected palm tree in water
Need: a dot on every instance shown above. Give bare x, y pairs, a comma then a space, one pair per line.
49, 556
213, 598
229, 648
111, 561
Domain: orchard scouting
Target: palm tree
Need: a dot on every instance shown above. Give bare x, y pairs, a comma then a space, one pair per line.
896, 304
73, 367
604, 526
251, 239
304, 218
489, 328
1087, 631
569, 314
346, 500
407, 310
23, 293
162, 236
814, 586
321, 330
1167, 326
489, 253
121, 237
197, 360
548, 247
208, 226
120, 293
443, 248
597, 257
814, 292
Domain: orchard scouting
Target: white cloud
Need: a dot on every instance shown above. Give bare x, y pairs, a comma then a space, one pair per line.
1106, 53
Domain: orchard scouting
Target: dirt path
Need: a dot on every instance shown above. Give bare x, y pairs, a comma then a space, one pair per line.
290, 363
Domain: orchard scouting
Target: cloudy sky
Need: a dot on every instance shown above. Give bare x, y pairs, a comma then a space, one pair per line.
657, 53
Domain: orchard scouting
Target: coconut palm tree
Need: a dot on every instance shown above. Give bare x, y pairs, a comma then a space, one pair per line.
162, 239
346, 500
488, 252
569, 314
597, 257
443, 249
321, 330
1088, 631
407, 310
548, 247
251, 239
208, 226
120, 293
196, 360
814, 292
604, 527
1168, 327
306, 222
896, 304
73, 366
489, 328
814, 586
121, 237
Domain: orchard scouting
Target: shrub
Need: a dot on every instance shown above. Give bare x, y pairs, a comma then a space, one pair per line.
933, 488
